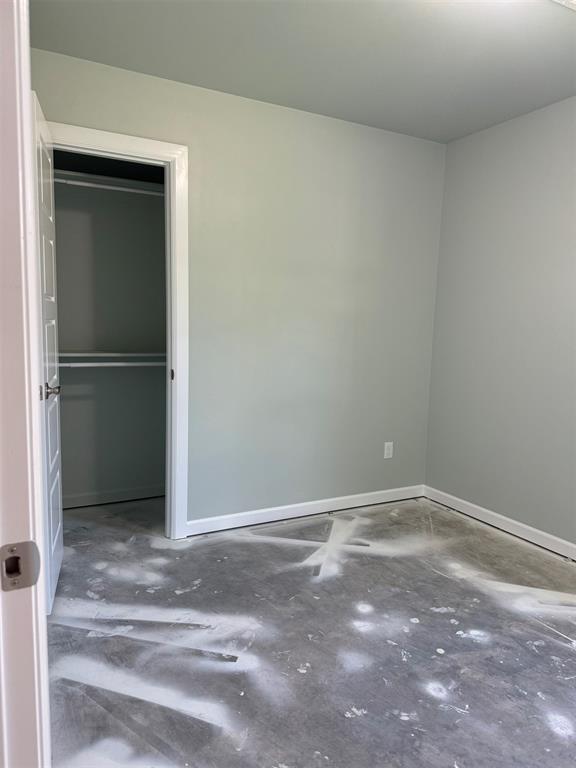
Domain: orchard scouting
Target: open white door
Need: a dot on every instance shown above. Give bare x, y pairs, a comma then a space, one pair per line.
50, 394
24, 721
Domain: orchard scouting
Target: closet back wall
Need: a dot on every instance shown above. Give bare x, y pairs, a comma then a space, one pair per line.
111, 298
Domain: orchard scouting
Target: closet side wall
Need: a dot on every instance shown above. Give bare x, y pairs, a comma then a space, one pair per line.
111, 298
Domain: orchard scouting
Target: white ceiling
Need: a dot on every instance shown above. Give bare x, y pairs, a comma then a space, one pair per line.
439, 69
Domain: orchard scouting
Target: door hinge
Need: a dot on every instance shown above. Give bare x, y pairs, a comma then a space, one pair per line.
171, 374
20, 564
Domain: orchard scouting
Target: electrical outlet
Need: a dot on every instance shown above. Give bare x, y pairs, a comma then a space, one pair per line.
388, 450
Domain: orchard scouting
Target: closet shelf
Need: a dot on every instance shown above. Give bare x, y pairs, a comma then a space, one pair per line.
91, 181
101, 360
112, 354
112, 365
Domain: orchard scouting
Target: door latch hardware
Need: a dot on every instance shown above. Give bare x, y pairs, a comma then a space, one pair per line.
20, 564
51, 390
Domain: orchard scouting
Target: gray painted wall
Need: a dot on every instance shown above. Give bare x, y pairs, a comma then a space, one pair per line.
111, 298
313, 255
503, 393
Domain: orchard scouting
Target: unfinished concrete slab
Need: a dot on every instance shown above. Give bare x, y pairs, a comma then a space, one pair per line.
401, 636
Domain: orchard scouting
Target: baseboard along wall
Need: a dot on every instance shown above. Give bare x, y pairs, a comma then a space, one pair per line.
93, 499
340, 503
522, 530
275, 514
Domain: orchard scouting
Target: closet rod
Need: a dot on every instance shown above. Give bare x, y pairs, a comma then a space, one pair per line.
75, 183
111, 365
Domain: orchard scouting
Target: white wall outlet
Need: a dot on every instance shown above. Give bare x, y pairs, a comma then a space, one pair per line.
388, 450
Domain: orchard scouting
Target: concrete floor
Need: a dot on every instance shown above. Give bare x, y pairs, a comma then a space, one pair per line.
400, 636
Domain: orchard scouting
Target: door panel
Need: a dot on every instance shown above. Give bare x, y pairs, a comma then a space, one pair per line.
48, 269
50, 351
52, 433
49, 316
55, 512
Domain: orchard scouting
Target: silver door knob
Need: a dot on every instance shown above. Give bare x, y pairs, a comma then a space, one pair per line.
48, 390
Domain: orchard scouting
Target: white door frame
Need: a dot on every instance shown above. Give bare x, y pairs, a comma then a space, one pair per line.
24, 715
174, 159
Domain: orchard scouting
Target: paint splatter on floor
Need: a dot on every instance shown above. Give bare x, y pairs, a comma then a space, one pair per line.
354, 639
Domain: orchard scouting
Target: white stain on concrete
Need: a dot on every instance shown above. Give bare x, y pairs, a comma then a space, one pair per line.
171, 626
244, 662
436, 690
519, 597
352, 661
328, 557
560, 725
121, 547
196, 584
115, 631
355, 712
343, 540
476, 635
134, 574
112, 753
160, 542
364, 627
407, 716
82, 669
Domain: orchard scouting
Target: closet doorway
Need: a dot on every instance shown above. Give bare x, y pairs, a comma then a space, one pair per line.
111, 288
121, 209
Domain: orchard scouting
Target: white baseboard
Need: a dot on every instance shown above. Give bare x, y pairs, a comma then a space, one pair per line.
274, 514
523, 531
305, 509
93, 499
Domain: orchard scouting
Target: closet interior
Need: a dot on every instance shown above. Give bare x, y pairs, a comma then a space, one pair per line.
111, 288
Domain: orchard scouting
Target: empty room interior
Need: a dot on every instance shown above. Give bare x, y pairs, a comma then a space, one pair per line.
308, 303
